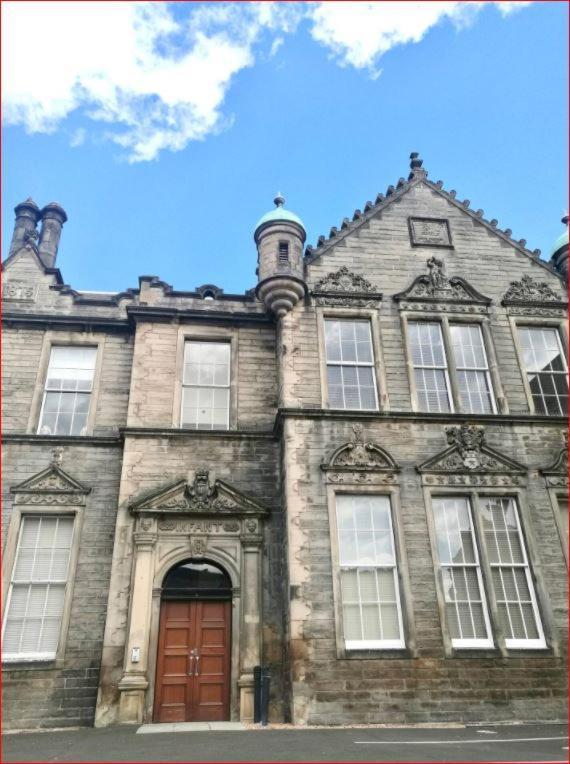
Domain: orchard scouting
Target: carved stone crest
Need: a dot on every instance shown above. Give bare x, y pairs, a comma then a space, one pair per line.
556, 474
528, 290
360, 461
469, 453
198, 547
468, 439
436, 287
344, 287
201, 497
430, 232
51, 486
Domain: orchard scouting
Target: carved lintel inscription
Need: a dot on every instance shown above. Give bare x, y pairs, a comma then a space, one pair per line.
362, 478
430, 232
534, 310
52, 499
474, 480
557, 481
347, 302
443, 308
20, 291
171, 525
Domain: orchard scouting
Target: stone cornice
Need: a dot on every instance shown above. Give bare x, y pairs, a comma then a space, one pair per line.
68, 440
55, 321
178, 432
163, 314
417, 416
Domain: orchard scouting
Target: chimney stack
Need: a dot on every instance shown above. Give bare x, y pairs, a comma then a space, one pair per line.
25, 232
53, 217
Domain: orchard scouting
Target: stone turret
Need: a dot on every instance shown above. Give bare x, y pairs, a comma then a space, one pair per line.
559, 257
25, 231
53, 217
280, 236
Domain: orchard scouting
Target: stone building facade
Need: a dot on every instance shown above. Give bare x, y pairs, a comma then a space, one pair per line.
355, 473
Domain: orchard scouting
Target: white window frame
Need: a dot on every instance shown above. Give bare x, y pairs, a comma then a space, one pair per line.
91, 392
486, 370
9, 562
203, 341
525, 323
518, 644
368, 364
444, 368
372, 644
461, 643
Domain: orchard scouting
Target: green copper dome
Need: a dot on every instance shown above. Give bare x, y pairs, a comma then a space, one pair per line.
562, 240
279, 214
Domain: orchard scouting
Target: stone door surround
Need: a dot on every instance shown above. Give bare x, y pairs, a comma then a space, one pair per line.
198, 520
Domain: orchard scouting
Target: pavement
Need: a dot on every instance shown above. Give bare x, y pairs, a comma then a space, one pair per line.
504, 743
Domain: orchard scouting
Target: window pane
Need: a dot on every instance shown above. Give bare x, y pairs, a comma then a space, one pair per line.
545, 365
514, 590
70, 370
37, 592
350, 365
460, 572
206, 381
369, 587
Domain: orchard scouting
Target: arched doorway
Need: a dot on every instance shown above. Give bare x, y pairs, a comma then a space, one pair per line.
194, 644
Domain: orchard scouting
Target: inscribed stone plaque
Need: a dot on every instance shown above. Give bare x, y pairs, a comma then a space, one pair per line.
430, 232
18, 290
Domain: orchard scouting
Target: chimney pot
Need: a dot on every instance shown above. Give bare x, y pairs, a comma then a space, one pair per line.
27, 216
53, 217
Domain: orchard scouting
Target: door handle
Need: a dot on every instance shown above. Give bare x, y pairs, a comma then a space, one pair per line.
197, 672
191, 672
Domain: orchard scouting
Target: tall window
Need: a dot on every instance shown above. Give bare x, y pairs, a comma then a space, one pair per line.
465, 605
512, 581
430, 366
368, 574
350, 365
473, 377
432, 344
206, 386
546, 369
34, 609
68, 389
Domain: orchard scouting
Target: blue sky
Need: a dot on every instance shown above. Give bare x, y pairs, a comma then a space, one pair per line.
165, 170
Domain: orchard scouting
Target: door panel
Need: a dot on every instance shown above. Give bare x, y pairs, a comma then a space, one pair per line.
193, 665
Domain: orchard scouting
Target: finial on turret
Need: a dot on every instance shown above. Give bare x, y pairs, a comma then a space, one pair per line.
416, 168
565, 220
279, 200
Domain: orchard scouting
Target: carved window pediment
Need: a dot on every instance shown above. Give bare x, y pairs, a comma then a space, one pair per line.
469, 461
533, 298
201, 497
434, 291
360, 461
345, 288
51, 486
556, 475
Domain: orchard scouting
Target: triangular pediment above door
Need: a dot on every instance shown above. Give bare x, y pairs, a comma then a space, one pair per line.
201, 497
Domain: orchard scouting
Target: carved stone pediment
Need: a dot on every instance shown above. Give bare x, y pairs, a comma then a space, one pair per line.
533, 298
556, 475
435, 291
355, 460
344, 287
468, 455
198, 498
50, 486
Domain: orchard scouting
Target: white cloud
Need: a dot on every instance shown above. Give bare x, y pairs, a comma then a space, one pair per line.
359, 34
157, 73
78, 137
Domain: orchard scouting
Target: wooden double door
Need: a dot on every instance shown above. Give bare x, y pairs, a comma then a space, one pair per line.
193, 665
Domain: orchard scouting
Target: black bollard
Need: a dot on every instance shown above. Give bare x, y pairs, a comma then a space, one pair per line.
256, 694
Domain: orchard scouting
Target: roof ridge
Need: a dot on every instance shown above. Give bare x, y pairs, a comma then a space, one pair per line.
416, 176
